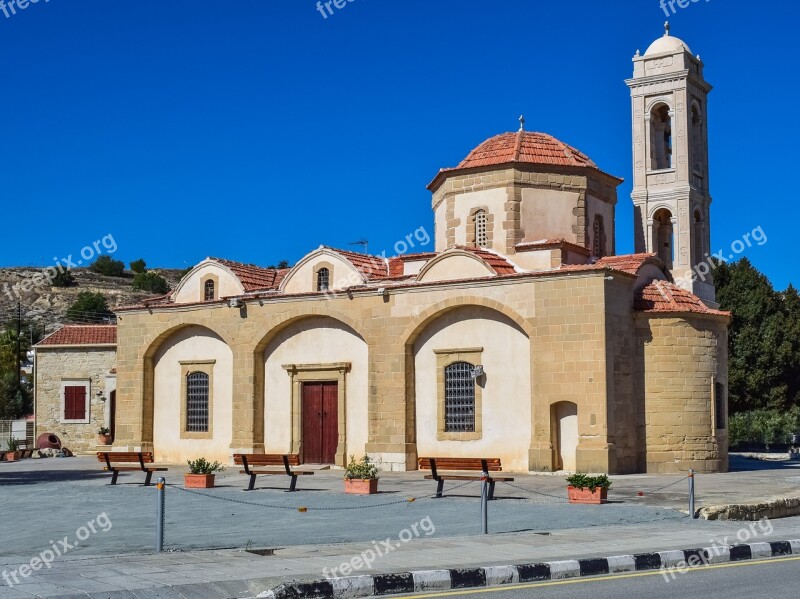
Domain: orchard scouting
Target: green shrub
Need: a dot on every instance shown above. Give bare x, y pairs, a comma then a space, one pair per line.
150, 281
584, 481
89, 307
365, 469
765, 427
105, 265
139, 266
203, 466
63, 278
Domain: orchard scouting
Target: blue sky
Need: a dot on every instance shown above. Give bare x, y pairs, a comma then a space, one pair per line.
257, 130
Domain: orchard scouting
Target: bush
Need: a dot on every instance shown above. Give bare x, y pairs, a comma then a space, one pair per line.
139, 266
763, 427
91, 307
150, 281
105, 265
362, 470
63, 278
584, 481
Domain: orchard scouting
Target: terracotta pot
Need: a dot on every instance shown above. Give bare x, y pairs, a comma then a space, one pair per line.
198, 481
12, 456
361, 486
586, 496
104, 439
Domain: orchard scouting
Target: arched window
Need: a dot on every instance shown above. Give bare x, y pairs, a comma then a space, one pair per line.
660, 137
197, 396
598, 237
663, 236
208, 291
699, 238
481, 235
323, 279
459, 398
697, 139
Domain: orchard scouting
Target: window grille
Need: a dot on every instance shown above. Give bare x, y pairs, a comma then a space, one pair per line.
208, 292
323, 279
459, 398
481, 236
598, 247
197, 402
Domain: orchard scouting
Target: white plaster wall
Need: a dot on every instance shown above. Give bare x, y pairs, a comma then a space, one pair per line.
506, 394
455, 267
412, 267
548, 214
303, 280
440, 227
191, 291
494, 200
535, 259
314, 341
192, 343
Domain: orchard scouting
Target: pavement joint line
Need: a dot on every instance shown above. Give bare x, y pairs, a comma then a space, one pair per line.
445, 582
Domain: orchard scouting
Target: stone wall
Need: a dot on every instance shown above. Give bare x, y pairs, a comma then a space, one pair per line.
53, 366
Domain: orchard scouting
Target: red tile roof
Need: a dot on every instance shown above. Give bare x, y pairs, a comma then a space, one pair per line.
630, 263
254, 278
527, 147
84, 334
499, 264
663, 296
374, 268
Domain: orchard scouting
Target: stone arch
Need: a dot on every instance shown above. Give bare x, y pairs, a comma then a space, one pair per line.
418, 325
285, 321
147, 354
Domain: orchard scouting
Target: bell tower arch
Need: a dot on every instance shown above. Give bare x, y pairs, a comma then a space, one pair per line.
670, 160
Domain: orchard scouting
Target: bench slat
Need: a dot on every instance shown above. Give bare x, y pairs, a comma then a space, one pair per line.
125, 457
467, 464
266, 459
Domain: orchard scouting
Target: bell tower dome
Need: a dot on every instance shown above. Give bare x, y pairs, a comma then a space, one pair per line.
670, 161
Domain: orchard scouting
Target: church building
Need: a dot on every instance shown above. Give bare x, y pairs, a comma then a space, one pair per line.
523, 336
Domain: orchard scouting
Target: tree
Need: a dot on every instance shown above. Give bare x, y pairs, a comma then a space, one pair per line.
139, 266
150, 281
15, 401
89, 307
283, 264
109, 267
63, 278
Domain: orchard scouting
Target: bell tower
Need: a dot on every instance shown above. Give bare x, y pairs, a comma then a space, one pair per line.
670, 161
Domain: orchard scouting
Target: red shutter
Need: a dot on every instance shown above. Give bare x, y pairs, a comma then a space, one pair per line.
75, 403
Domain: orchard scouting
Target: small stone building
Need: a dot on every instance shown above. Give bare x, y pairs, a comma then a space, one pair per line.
75, 384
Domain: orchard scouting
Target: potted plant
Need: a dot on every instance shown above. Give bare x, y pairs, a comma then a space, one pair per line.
13, 447
104, 436
361, 478
588, 489
201, 474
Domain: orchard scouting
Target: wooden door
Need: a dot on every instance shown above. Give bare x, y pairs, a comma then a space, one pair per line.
320, 422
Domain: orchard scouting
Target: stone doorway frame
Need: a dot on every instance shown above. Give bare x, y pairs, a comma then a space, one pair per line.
318, 373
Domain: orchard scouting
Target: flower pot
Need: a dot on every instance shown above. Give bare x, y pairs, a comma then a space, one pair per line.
585, 496
104, 439
361, 486
198, 481
12, 456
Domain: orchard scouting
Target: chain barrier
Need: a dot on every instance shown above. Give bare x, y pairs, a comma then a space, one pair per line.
560, 498
304, 509
653, 491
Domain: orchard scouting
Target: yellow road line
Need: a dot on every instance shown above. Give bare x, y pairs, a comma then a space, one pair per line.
588, 579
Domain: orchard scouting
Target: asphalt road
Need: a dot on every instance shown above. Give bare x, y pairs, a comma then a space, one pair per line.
776, 578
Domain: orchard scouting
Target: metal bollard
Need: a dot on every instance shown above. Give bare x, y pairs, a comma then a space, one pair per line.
485, 503
691, 494
160, 485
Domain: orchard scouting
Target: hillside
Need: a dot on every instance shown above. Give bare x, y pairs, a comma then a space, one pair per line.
47, 306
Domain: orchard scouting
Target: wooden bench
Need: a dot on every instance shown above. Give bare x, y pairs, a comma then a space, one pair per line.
248, 460
118, 461
436, 465
24, 450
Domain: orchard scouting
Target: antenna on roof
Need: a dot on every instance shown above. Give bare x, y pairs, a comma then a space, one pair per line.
522, 122
364, 243
666, 28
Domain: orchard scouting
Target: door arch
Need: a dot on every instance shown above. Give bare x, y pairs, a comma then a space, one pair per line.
564, 415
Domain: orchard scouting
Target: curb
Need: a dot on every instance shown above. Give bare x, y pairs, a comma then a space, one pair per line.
421, 581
